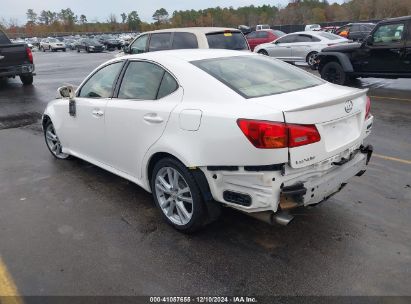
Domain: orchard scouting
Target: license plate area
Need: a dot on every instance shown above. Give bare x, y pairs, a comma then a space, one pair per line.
339, 133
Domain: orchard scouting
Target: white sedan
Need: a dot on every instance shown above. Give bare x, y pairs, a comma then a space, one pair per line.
205, 128
300, 46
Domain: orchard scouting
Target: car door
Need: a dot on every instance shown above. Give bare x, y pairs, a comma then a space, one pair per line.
302, 46
85, 131
136, 119
281, 48
383, 52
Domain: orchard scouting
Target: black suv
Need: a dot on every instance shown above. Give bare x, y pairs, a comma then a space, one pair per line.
386, 53
355, 31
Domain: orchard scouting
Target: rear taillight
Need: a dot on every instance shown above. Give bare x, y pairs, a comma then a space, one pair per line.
29, 55
367, 108
301, 135
264, 134
276, 135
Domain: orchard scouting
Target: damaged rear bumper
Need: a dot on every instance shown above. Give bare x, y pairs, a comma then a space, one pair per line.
286, 188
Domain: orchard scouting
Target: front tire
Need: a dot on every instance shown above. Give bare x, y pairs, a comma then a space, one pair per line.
334, 73
178, 196
26, 79
53, 142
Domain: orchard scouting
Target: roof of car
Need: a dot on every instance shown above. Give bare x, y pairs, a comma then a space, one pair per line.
306, 33
197, 30
189, 54
397, 19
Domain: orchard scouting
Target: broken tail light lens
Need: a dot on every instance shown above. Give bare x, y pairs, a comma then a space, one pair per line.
277, 135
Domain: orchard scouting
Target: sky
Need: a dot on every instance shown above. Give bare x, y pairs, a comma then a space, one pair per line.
100, 9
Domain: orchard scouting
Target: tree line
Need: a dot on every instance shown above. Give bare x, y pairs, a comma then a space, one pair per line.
295, 12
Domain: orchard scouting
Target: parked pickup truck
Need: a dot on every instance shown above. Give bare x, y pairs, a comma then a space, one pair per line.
16, 59
385, 53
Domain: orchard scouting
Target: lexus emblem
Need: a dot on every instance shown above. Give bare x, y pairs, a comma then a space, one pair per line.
348, 106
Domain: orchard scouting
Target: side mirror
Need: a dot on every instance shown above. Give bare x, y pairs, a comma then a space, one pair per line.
66, 92
127, 49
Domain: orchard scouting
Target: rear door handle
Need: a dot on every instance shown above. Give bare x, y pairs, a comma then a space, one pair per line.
153, 118
97, 113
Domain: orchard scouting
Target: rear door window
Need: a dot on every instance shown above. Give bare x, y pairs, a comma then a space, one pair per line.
227, 40
306, 38
160, 42
288, 39
184, 41
168, 86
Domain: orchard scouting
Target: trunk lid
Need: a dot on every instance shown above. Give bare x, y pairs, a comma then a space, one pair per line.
337, 112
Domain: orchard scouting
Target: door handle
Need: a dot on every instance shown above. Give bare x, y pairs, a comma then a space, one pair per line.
97, 113
153, 118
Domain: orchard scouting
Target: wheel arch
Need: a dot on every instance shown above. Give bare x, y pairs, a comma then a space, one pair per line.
341, 58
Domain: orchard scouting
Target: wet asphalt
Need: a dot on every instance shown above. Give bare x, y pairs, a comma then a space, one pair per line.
70, 228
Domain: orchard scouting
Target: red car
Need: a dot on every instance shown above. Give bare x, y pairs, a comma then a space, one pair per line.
262, 36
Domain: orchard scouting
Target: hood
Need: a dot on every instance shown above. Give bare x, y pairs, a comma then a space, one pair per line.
347, 47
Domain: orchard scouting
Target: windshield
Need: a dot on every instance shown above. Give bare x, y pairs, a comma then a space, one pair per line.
52, 40
227, 40
256, 76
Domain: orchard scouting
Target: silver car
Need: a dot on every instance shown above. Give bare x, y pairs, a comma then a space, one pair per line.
300, 46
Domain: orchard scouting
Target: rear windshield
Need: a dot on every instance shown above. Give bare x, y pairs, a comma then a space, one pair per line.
256, 76
227, 40
3, 38
329, 36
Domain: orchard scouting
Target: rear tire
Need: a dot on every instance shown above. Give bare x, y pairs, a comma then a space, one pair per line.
78, 50
334, 73
263, 52
311, 59
178, 196
26, 79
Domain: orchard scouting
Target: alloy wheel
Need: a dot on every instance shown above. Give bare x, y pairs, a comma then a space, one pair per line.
54, 143
312, 59
174, 196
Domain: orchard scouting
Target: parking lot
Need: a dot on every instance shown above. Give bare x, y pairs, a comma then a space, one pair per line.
70, 228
